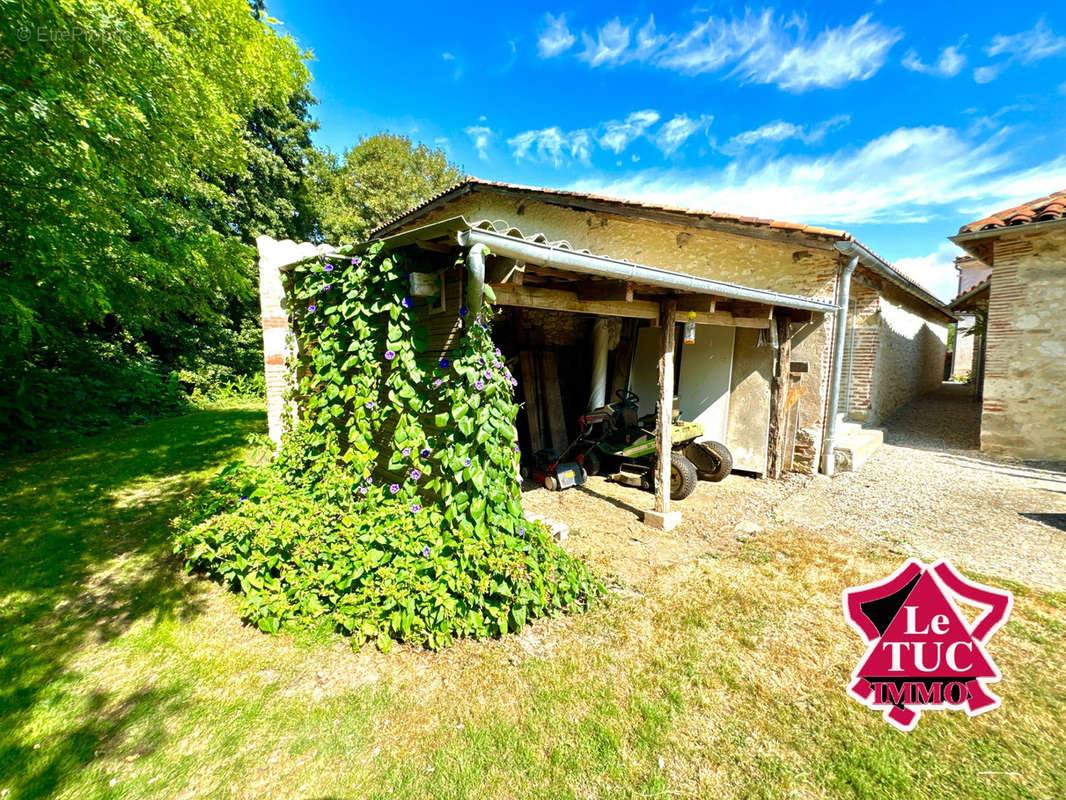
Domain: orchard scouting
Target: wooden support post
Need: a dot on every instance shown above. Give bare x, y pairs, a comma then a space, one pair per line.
553, 401
531, 389
661, 517
779, 385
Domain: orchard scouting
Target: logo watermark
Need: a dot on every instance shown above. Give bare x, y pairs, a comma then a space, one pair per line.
47, 34
922, 654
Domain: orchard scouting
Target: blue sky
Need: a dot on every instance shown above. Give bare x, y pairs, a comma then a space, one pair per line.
897, 121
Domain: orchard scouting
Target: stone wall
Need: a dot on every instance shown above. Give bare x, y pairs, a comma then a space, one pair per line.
910, 352
860, 350
795, 267
1024, 413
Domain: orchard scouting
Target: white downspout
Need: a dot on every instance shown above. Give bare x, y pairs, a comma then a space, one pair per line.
600, 338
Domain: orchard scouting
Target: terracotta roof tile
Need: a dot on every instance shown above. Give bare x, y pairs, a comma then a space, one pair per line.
1045, 209
973, 291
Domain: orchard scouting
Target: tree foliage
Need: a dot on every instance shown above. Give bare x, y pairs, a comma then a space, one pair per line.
377, 180
145, 143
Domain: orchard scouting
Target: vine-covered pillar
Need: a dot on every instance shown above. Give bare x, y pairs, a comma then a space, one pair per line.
278, 343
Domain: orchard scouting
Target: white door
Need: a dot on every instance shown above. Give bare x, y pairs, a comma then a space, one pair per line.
706, 372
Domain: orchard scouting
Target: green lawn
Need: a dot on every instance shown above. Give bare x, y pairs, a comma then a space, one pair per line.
121, 677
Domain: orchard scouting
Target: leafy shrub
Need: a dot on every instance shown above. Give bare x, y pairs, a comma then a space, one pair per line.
393, 510
372, 569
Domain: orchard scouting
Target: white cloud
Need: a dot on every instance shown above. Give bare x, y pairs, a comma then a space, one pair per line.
948, 64
1028, 47
480, 135
552, 144
671, 135
760, 48
907, 175
935, 271
448, 56
779, 131
555, 38
609, 46
989, 73
618, 134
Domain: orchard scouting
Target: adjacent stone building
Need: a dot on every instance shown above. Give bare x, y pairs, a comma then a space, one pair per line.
967, 348
1024, 372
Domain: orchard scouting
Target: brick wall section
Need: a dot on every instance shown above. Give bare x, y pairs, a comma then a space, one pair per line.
860, 351
1025, 369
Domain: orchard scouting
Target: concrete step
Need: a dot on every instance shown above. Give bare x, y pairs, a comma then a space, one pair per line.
845, 427
855, 447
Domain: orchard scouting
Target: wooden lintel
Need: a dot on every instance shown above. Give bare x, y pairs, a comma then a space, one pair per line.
508, 294
606, 290
729, 319
704, 303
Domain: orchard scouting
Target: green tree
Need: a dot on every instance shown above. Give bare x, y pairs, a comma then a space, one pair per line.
378, 179
115, 121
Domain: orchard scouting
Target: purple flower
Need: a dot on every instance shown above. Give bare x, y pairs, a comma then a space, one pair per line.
488, 373
522, 531
517, 449
327, 268
355, 261
466, 462
479, 385
244, 499
437, 383
369, 404
416, 474
424, 452
497, 352
394, 488
406, 452
312, 308
514, 382
326, 287
425, 551
444, 363
406, 302
481, 362
463, 311
369, 480
415, 508
390, 355
362, 490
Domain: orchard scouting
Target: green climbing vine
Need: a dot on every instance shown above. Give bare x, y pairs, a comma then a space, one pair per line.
405, 458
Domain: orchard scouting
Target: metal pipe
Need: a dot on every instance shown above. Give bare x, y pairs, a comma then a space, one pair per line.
843, 297
600, 336
574, 261
475, 286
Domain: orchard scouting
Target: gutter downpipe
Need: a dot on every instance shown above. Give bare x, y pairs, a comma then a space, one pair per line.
840, 333
475, 287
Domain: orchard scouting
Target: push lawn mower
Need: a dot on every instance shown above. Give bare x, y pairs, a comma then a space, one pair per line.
615, 442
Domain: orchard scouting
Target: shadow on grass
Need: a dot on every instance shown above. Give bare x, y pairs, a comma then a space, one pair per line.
84, 554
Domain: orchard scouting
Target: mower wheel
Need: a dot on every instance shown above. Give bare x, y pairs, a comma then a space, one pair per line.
683, 476
592, 463
713, 460
549, 483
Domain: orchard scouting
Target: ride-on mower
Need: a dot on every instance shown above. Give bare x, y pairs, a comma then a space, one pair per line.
613, 441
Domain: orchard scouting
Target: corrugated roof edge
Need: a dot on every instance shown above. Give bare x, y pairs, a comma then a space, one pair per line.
470, 184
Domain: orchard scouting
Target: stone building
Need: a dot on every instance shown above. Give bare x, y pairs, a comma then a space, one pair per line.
764, 297
1024, 366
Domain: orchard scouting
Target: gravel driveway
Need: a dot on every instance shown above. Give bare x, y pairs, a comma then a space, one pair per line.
928, 492
931, 493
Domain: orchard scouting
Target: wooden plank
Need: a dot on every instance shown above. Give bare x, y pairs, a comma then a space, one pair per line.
778, 400
621, 291
704, 303
553, 401
531, 390
508, 294
728, 318
663, 432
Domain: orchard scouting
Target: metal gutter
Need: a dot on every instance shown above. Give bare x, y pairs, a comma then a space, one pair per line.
602, 266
